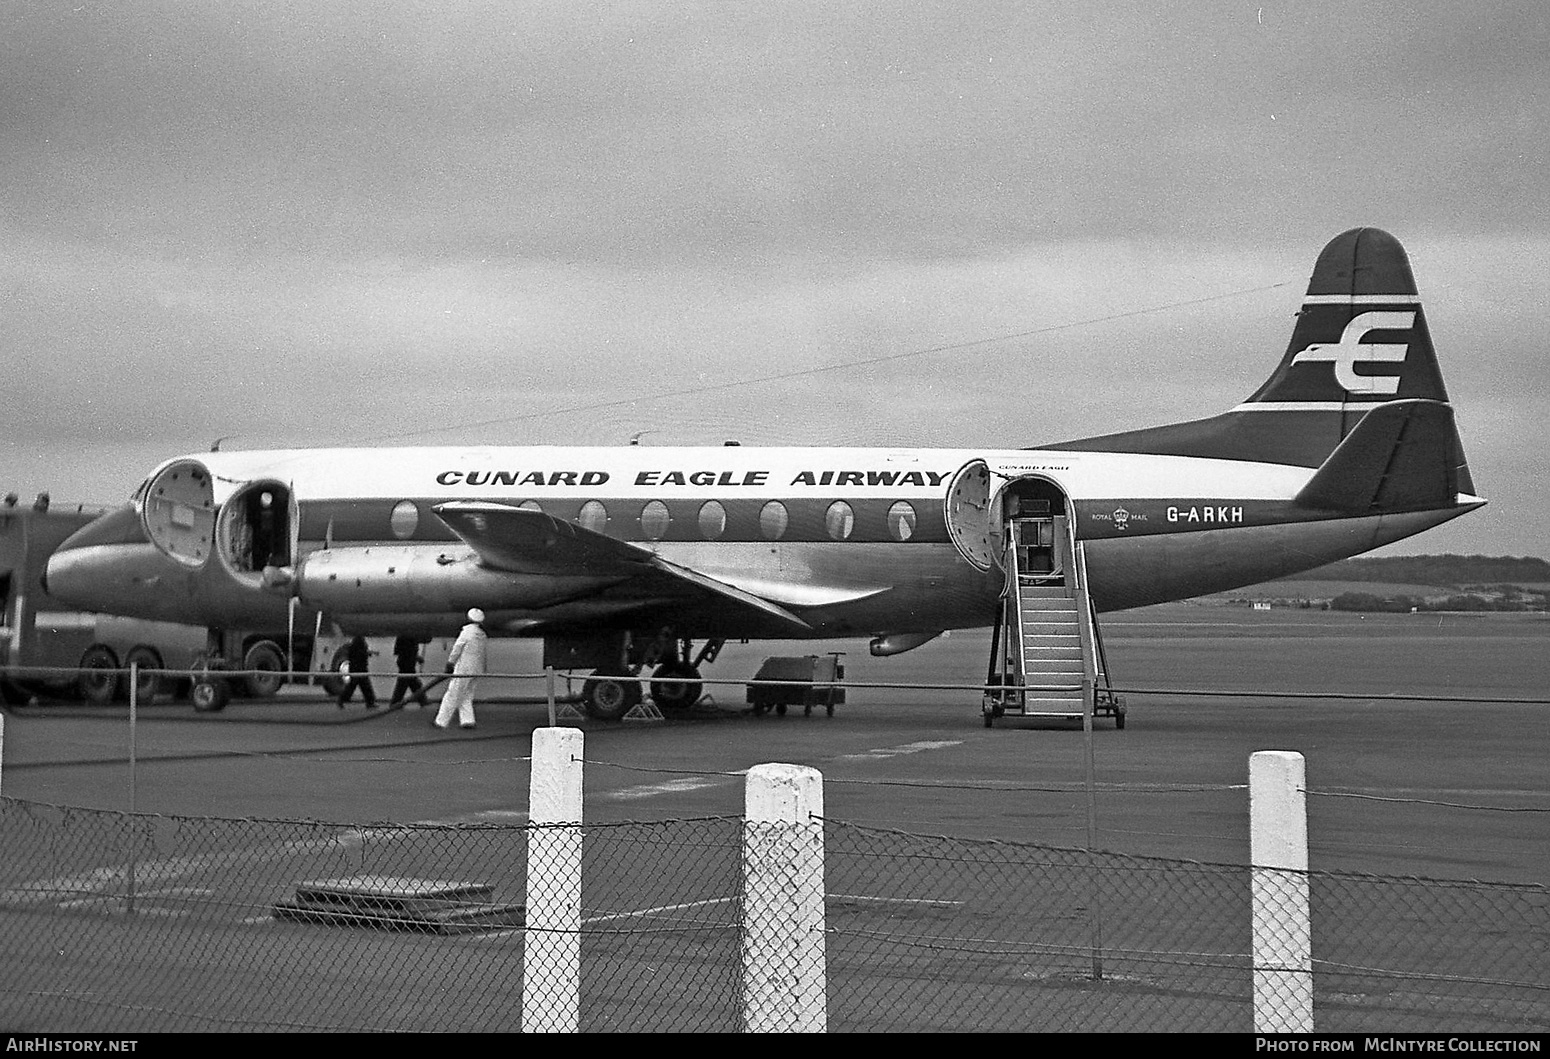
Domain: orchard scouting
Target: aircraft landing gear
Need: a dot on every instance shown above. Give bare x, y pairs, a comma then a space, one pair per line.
210, 693
609, 696
614, 689
676, 686
212, 689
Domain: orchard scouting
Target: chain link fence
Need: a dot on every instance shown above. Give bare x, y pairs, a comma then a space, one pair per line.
116, 922
1003, 936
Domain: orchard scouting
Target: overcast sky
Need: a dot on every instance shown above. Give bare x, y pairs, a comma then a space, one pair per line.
999, 224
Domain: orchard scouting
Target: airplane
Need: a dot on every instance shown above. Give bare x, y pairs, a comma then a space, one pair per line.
622, 557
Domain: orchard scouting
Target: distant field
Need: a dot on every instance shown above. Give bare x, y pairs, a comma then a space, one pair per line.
1213, 618
1329, 590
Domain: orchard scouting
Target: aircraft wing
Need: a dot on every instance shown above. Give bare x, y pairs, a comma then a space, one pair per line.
530, 542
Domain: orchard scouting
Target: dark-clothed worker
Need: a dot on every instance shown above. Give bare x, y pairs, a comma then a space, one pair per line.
406, 653
358, 662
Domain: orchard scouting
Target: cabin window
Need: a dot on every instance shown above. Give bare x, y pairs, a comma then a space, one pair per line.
654, 518
405, 519
713, 520
594, 516
773, 520
839, 520
901, 521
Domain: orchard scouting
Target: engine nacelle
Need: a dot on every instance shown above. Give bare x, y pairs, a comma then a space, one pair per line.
898, 642
425, 578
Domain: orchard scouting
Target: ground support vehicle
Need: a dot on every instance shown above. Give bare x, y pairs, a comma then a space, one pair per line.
818, 676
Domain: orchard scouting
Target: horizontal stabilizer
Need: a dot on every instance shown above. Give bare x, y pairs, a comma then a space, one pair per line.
1401, 457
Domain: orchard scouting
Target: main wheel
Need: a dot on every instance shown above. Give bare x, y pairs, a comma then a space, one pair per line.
209, 694
266, 657
676, 686
149, 685
100, 682
608, 696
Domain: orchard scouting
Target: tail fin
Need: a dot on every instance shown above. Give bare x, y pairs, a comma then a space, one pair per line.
1360, 341
1361, 337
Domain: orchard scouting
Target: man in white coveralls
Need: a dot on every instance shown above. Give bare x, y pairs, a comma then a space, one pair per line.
466, 663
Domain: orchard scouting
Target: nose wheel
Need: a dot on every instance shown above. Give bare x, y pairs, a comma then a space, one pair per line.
209, 694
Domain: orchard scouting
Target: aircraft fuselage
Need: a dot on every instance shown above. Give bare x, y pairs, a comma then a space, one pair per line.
854, 541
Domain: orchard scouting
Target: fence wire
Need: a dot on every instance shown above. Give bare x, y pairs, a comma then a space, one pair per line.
117, 922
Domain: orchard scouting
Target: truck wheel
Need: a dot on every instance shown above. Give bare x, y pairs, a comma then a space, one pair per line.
333, 683
149, 685
266, 657
99, 683
209, 694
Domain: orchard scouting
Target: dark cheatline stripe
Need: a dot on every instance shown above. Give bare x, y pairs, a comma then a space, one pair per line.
370, 519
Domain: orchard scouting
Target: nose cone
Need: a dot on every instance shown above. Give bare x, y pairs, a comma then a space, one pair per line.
92, 568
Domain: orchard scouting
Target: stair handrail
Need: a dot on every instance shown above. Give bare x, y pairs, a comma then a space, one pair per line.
1011, 602
1087, 627
1090, 611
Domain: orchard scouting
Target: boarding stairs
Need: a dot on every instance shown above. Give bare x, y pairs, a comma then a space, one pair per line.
1045, 647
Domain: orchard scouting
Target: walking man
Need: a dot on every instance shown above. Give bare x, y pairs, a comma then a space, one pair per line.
406, 652
358, 662
467, 661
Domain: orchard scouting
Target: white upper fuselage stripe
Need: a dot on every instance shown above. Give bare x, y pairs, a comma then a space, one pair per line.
1361, 299
739, 472
1306, 406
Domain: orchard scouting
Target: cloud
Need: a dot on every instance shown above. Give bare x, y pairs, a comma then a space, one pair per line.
559, 221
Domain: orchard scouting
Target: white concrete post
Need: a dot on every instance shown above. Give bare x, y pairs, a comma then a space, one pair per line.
551, 953
1278, 852
785, 979
2, 743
